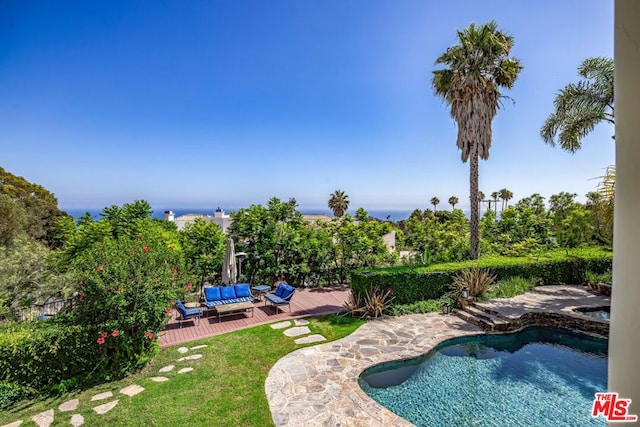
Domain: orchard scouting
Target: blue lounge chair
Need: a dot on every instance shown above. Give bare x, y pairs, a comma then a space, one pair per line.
188, 313
282, 296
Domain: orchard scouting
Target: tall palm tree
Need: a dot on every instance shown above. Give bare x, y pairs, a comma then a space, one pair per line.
435, 201
480, 197
474, 71
453, 201
579, 107
505, 195
338, 203
494, 196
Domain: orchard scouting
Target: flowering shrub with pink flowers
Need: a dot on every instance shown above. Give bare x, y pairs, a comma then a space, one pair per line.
127, 288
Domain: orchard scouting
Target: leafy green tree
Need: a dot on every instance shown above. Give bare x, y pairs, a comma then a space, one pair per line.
203, 245
13, 220
475, 70
535, 202
435, 202
40, 206
338, 203
579, 107
453, 201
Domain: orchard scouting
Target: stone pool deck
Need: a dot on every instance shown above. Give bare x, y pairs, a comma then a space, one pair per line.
318, 386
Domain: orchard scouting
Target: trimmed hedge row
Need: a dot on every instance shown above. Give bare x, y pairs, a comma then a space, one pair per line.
416, 283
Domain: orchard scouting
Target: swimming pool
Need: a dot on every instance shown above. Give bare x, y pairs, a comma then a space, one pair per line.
539, 376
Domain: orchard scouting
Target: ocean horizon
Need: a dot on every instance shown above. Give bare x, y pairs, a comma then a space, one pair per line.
382, 214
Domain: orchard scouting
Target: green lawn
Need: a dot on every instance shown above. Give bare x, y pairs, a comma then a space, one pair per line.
226, 387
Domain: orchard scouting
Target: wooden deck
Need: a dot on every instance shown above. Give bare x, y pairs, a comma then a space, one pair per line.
305, 302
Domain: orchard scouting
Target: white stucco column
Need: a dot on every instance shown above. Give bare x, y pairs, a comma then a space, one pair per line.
624, 338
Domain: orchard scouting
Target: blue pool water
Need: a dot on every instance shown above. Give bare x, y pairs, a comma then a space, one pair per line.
536, 377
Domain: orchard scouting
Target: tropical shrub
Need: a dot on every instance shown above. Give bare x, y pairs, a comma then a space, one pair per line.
510, 287
426, 306
475, 279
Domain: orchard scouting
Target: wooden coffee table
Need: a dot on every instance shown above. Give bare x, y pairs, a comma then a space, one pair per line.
229, 309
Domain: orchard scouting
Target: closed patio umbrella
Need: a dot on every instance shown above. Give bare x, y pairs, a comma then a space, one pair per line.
229, 271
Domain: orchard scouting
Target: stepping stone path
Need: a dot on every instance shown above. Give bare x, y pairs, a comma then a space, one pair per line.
198, 347
102, 396
159, 379
77, 420
192, 357
132, 390
183, 350
69, 405
103, 409
185, 370
298, 330
167, 368
13, 424
281, 325
310, 339
43, 419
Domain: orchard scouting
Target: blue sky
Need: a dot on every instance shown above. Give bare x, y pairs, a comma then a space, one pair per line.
202, 104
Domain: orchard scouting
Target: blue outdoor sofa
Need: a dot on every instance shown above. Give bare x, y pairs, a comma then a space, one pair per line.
282, 296
188, 313
227, 300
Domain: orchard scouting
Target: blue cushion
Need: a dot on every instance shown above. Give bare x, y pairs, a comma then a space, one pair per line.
288, 292
228, 292
212, 293
181, 308
242, 290
281, 289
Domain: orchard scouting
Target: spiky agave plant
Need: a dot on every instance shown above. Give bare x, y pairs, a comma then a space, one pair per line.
476, 279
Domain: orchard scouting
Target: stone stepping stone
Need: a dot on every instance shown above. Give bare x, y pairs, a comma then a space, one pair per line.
281, 325
159, 379
132, 390
185, 370
301, 322
13, 424
102, 396
297, 331
183, 350
77, 420
69, 405
43, 419
310, 339
103, 409
167, 368
192, 357
198, 347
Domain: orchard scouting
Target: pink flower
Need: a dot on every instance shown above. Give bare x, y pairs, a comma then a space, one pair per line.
103, 335
115, 333
169, 310
145, 249
175, 272
100, 341
189, 286
99, 268
81, 297
149, 334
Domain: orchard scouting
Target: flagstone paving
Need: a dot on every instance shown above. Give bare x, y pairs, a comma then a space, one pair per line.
297, 331
281, 325
77, 420
167, 368
300, 322
43, 419
159, 379
132, 390
182, 349
69, 405
192, 357
102, 396
310, 339
103, 409
198, 347
13, 424
185, 370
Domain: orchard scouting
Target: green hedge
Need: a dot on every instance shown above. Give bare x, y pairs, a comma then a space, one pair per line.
415, 283
46, 357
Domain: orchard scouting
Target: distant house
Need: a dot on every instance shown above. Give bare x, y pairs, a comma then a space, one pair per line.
221, 219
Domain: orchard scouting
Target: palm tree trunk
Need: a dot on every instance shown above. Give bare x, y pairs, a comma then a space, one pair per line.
473, 198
